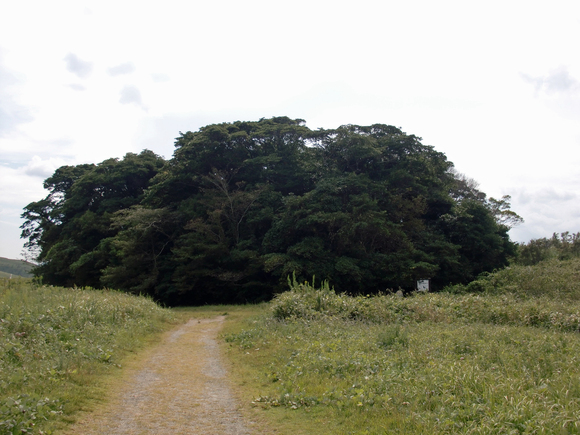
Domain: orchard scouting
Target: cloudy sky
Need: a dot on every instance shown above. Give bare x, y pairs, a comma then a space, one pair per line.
495, 85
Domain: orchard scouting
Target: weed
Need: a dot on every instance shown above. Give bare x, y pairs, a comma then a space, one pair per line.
52, 343
498, 361
21, 415
393, 335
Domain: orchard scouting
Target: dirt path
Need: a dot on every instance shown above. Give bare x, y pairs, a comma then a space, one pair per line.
180, 389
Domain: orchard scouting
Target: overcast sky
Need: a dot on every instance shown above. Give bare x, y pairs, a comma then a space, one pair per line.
495, 85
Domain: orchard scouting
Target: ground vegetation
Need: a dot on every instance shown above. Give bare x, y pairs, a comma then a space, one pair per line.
496, 358
56, 344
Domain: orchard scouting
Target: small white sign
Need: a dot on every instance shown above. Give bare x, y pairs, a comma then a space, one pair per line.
423, 285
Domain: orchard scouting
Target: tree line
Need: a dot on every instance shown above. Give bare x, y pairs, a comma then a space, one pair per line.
561, 246
241, 206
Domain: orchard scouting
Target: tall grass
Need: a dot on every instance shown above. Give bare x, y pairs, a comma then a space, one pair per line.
553, 279
307, 302
420, 378
53, 341
497, 362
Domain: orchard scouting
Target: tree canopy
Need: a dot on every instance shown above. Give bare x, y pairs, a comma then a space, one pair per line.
242, 205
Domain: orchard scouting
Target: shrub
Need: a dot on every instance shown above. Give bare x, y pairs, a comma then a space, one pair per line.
304, 301
556, 279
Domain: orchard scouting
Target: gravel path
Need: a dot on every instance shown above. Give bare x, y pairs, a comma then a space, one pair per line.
180, 389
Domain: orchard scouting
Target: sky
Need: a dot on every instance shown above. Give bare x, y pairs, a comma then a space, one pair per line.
494, 85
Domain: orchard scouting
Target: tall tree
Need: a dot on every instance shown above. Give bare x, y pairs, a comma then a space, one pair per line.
70, 224
242, 205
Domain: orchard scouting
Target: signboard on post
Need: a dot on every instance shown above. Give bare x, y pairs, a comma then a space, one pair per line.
423, 285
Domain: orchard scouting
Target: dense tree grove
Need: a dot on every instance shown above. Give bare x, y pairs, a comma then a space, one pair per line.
242, 205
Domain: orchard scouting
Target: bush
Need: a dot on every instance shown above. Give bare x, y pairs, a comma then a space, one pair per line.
555, 279
306, 302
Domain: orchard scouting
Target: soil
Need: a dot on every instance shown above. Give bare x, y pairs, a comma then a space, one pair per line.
181, 388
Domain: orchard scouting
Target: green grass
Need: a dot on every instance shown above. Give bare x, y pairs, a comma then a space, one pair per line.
553, 279
499, 363
426, 378
499, 356
55, 344
505, 308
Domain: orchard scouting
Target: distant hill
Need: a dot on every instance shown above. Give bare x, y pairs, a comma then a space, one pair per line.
7, 275
15, 267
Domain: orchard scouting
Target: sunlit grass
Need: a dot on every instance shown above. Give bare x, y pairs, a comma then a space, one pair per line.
447, 378
436, 363
54, 342
551, 279
500, 309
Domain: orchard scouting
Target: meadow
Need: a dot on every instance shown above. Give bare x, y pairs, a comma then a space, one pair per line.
56, 345
498, 356
500, 361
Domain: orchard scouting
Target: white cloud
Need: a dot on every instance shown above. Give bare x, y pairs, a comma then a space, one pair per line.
546, 196
77, 87
11, 245
131, 95
82, 69
546, 210
23, 184
160, 77
122, 69
37, 167
11, 112
19, 186
557, 81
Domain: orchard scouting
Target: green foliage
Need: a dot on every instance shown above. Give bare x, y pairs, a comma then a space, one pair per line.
483, 245
552, 279
500, 361
22, 414
242, 205
52, 341
550, 310
561, 246
307, 302
68, 229
501, 210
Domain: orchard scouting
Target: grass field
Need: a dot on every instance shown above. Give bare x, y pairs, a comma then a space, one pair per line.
498, 363
57, 344
499, 356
